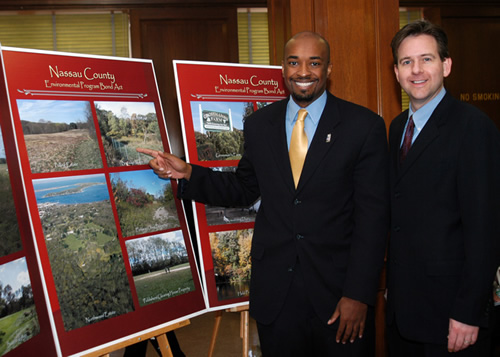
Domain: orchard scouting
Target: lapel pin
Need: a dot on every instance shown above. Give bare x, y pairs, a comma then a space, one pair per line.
328, 138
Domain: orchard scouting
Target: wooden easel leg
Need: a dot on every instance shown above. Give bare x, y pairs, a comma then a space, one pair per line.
218, 317
244, 331
165, 349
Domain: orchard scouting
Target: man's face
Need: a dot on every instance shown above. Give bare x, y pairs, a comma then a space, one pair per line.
420, 71
306, 68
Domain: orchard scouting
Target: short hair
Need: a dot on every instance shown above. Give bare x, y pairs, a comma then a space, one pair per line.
311, 34
421, 27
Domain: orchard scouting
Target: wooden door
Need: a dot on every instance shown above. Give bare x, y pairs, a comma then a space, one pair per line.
199, 33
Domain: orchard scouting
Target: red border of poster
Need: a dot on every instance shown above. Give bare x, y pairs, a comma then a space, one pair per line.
32, 78
214, 100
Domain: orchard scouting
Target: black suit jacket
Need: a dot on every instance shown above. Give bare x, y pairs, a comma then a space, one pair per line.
445, 213
335, 223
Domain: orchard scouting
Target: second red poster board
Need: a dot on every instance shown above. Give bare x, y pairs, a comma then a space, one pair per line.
214, 101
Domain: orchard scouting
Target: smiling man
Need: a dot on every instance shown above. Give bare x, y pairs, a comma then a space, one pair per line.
319, 236
445, 205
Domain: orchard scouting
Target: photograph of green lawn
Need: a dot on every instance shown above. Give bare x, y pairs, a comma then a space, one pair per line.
160, 266
18, 318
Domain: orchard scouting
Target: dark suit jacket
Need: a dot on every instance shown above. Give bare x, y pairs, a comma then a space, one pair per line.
445, 213
335, 224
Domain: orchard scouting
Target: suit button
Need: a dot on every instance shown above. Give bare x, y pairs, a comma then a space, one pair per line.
297, 202
397, 228
290, 269
299, 236
397, 194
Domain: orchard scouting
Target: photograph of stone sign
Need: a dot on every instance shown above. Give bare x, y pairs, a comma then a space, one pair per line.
160, 266
218, 129
125, 126
9, 230
59, 135
144, 202
18, 318
231, 258
84, 252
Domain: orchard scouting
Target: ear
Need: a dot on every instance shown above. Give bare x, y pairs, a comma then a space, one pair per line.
329, 69
447, 67
396, 71
283, 69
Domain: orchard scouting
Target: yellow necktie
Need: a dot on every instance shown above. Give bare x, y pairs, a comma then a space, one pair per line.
298, 146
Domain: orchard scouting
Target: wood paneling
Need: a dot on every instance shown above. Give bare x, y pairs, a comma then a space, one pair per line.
203, 34
359, 33
473, 42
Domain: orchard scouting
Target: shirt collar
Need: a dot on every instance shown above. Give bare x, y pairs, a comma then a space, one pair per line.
422, 115
315, 109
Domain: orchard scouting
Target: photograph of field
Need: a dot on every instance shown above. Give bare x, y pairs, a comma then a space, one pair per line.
18, 318
84, 252
218, 129
126, 126
144, 202
59, 135
9, 230
231, 258
160, 266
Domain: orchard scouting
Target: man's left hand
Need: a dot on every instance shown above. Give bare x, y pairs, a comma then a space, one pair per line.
352, 315
461, 336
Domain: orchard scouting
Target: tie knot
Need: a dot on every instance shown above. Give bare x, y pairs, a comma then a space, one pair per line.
302, 114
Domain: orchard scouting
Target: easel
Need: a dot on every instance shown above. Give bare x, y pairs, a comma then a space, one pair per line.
159, 334
244, 328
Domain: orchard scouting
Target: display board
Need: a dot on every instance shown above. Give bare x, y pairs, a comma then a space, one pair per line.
215, 99
96, 245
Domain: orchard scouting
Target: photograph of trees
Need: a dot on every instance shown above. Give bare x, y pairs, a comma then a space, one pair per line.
9, 230
84, 251
144, 202
231, 258
219, 136
125, 126
59, 135
160, 267
18, 318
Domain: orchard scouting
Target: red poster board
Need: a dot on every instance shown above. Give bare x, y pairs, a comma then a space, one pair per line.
104, 240
214, 100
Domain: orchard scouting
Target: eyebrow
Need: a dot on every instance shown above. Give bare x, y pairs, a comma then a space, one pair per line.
311, 58
422, 55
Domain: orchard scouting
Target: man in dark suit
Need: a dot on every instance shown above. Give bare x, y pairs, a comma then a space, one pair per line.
319, 242
445, 206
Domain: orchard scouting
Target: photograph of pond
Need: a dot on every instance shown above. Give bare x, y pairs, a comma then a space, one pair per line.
231, 258
9, 230
145, 203
18, 318
59, 135
160, 266
126, 126
217, 215
84, 251
218, 129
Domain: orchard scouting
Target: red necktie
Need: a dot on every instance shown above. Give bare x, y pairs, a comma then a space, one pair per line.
407, 140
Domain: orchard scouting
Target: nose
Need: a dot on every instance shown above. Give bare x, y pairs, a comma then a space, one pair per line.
304, 69
417, 67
